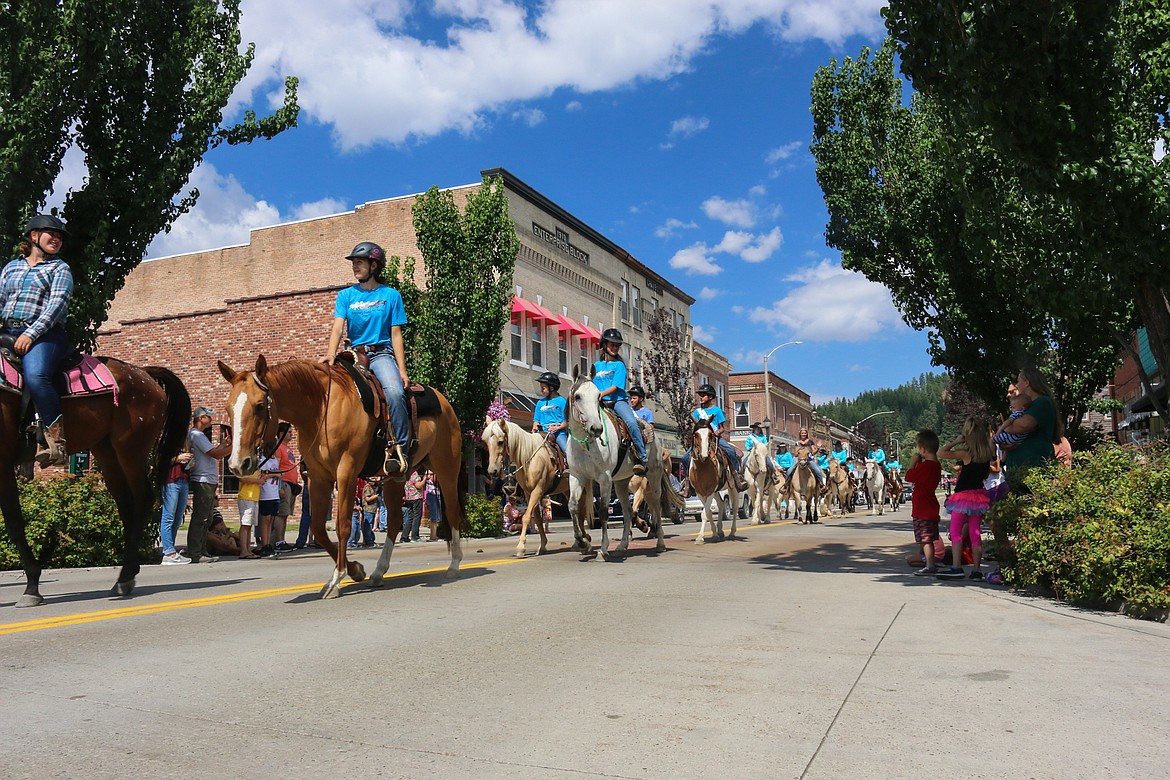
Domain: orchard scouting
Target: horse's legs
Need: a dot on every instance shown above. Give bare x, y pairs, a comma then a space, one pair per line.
128, 486
733, 497
705, 518
605, 486
14, 525
580, 493
622, 487
392, 495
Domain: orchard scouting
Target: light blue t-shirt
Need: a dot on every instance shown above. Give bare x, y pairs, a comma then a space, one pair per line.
840, 455
823, 462
893, 464
610, 373
878, 455
549, 412
752, 440
370, 314
644, 414
785, 460
714, 414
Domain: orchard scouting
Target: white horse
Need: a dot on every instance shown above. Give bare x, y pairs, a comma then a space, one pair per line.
763, 491
875, 488
593, 455
535, 472
707, 476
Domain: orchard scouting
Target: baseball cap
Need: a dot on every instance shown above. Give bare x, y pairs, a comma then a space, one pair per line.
201, 411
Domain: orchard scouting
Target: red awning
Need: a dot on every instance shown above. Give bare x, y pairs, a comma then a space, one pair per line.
547, 315
593, 335
566, 325
526, 306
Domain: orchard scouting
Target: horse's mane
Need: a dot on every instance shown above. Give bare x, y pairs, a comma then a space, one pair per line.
304, 377
521, 443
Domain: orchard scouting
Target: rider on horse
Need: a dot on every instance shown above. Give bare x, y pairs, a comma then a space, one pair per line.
707, 410
758, 438
34, 301
784, 459
372, 314
839, 452
609, 375
549, 415
806, 441
878, 456
637, 398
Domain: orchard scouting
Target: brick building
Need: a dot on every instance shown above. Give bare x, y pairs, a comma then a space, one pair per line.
791, 407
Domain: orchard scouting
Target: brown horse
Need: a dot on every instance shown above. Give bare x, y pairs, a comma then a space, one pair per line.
804, 487
335, 434
535, 473
709, 471
148, 415
837, 482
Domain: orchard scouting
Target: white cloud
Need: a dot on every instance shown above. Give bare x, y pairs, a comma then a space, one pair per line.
688, 126
705, 335
709, 294
363, 71
695, 260
737, 309
762, 247
320, 208
574, 105
832, 304
738, 213
758, 191
670, 228
529, 116
782, 152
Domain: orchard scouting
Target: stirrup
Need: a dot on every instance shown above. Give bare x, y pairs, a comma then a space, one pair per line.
396, 463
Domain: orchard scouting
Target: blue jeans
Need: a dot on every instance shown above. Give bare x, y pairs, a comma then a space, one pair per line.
306, 523
40, 365
731, 453
411, 519
816, 470
562, 439
174, 505
626, 412
381, 515
385, 367
363, 522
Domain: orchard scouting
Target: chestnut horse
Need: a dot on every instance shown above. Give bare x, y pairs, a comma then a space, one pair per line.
534, 472
335, 433
804, 487
147, 417
709, 472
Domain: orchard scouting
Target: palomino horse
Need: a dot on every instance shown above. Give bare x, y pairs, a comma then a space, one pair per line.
838, 483
535, 472
764, 489
147, 416
804, 487
708, 473
335, 433
669, 505
875, 488
594, 451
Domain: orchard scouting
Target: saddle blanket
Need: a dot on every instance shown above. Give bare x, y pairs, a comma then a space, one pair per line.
87, 377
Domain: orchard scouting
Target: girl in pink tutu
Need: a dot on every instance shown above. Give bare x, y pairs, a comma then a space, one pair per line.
969, 502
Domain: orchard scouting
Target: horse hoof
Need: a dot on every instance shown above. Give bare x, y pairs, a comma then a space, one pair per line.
330, 592
606, 555
122, 588
30, 600
452, 574
377, 581
356, 571
700, 540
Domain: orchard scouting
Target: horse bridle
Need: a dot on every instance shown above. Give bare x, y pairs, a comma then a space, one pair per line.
282, 434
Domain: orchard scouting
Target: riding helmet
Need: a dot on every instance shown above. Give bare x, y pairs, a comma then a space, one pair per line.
45, 222
368, 250
550, 379
706, 390
612, 335
637, 390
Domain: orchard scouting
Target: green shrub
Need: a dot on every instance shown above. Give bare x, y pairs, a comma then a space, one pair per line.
1096, 534
73, 522
485, 516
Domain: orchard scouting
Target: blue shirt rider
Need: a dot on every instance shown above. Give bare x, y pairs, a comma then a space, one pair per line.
707, 410
784, 458
823, 460
878, 456
609, 375
549, 415
372, 315
805, 441
757, 438
839, 452
637, 399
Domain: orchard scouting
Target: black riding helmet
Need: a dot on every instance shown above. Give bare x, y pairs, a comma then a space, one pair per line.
637, 390
612, 335
550, 379
45, 222
706, 390
368, 250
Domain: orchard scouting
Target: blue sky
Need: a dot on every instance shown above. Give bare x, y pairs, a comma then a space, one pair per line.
678, 128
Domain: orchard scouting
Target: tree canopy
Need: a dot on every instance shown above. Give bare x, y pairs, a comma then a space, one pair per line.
139, 88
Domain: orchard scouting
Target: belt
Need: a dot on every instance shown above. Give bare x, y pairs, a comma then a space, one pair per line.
16, 324
372, 349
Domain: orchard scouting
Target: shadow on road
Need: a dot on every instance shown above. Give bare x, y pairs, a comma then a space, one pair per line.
836, 557
140, 590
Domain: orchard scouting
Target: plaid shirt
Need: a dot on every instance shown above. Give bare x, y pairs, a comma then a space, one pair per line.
38, 294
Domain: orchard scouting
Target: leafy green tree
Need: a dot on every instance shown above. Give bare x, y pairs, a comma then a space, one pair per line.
139, 87
919, 203
468, 259
668, 375
1075, 96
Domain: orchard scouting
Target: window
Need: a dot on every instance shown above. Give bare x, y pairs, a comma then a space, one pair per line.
634, 305
625, 301
741, 414
517, 339
537, 331
719, 395
681, 324
584, 358
563, 352
637, 362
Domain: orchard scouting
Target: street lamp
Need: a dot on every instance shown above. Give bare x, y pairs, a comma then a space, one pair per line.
890, 436
875, 414
768, 387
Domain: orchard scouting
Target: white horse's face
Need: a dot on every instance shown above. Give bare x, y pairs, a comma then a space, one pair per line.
494, 437
586, 403
703, 442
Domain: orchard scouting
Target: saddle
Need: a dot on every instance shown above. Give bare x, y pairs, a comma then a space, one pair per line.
625, 440
559, 460
80, 374
421, 401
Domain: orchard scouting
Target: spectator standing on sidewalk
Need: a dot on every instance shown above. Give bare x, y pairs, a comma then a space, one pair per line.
412, 507
290, 488
248, 505
925, 473
174, 506
204, 481
269, 504
433, 505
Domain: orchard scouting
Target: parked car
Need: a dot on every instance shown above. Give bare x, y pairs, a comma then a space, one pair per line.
694, 506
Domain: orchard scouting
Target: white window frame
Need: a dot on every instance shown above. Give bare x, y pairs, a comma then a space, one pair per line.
625, 307
516, 330
634, 306
563, 338
745, 414
583, 361
536, 343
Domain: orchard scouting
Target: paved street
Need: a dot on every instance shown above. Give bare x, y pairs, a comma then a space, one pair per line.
791, 651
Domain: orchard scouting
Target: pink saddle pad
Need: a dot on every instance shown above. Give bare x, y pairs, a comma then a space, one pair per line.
86, 378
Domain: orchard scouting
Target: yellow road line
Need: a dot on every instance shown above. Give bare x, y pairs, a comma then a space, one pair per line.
208, 601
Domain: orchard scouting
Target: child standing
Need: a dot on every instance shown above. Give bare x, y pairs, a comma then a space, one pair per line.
925, 472
969, 502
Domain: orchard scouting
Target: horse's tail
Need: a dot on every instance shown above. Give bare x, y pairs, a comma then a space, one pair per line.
174, 432
671, 500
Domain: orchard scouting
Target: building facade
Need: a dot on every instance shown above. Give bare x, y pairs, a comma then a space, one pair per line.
789, 411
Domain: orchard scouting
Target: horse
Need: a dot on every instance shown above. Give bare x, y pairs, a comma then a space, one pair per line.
708, 473
335, 434
534, 470
764, 488
143, 422
594, 455
875, 487
894, 489
670, 501
837, 481
805, 487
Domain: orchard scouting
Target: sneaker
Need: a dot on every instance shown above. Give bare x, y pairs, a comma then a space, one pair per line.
975, 575
264, 551
205, 559
926, 571
283, 547
952, 573
174, 559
